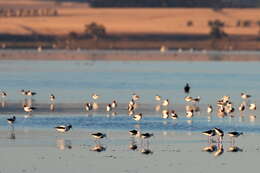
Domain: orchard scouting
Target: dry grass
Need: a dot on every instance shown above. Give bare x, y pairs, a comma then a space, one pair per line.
132, 21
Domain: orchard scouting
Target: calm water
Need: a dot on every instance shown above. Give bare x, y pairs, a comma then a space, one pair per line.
74, 82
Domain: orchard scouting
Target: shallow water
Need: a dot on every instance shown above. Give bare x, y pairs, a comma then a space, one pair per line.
74, 81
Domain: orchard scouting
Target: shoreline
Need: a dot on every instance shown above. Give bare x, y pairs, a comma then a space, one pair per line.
129, 55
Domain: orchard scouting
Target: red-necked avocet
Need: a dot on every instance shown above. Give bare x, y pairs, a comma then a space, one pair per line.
165, 102
95, 96
98, 135
209, 109
52, 97
245, 96
209, 133
252, 106
165, 114
28, 108
114, 104
187, 88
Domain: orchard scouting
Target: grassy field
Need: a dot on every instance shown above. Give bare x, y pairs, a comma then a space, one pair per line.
73, 17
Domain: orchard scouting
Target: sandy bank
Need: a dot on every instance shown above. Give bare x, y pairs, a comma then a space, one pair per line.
129, 55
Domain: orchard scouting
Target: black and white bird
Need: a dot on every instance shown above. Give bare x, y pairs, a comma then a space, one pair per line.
209, 133
30, 93
114, 104
209, 109
242, 107
219, 133
11, 120
3, 94
28, 108
138, 117
234, 134
98, 135
108, 108
187, 88
63, 128
252, 106
52, 97
133, 132
88, 106
245, 96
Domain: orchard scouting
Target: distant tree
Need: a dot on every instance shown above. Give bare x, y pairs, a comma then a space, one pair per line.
95, 30
216, 29
189, 23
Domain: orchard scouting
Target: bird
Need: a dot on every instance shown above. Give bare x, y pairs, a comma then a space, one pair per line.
242, 107
23, 92
157, 98
145, 135
187, 88
245, 96
11, 120
219, 133
165, 114
196, 100
135, 97
189, 114
133, 132
234, 134
209, 109
30, 93
3, 94
138, 117
98, 135
52, 97
209, 133
63, 128
28, 108
188, 98
88, 107
108, 107
95, 96
165, 102
252, 106
133, 147
114, 104
174, 115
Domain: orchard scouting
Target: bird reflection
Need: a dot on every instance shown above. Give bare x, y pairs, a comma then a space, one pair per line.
3, 103
210, 148
157, 108
219, 151
133, 146
12, 134
52, 107
234, 149
98, 148
63, 144
146, 151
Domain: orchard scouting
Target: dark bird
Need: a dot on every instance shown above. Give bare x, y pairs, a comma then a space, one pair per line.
11, 120
219, 133
209, 133
98, 135
187, 88
133, 132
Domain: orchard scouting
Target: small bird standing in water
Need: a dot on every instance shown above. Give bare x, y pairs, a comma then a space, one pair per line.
187, 88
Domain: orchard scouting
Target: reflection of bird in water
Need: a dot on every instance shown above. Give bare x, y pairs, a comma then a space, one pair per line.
187, 88
210, 148
165, 102
63, 128
219, 151
189, 114
98, 148
12, 134
3, 103
52, 107
63, 144
234, 149
146, 151
165, 114
133, 146
11, 120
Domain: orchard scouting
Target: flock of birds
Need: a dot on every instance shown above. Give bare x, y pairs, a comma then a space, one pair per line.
224, 108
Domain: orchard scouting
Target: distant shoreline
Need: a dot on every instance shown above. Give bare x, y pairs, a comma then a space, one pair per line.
129, 55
